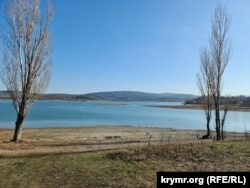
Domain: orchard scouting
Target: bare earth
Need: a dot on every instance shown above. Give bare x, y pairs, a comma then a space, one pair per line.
94, 138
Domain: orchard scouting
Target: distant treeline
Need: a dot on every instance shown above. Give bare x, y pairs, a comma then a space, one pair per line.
240, 100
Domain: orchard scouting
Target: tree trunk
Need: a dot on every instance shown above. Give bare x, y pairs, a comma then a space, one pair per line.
218, 129
222, 123
208, 130
19, 126
222, 133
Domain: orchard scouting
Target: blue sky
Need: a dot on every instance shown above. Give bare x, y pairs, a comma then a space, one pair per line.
142, 45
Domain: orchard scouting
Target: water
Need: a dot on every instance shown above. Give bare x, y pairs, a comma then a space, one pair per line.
90, 113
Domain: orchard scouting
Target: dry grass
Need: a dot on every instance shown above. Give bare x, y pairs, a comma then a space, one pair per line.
130, 167
49, 158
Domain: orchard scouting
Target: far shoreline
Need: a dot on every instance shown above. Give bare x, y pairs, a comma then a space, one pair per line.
198, 107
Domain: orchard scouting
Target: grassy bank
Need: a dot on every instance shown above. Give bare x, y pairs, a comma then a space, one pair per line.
134, 166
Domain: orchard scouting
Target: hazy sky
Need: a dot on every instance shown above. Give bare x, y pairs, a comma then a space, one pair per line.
142, 45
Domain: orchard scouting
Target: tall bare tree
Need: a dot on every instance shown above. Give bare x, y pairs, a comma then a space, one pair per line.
26, 63
204, 85
221, 50
221, 53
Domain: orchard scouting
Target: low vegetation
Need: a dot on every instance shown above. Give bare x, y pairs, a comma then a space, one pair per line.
238, 101
127, 167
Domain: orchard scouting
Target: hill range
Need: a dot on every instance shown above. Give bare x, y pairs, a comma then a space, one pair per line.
114, 96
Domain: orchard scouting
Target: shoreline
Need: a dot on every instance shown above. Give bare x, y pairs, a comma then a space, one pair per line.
111, 126
198, 107
97, 138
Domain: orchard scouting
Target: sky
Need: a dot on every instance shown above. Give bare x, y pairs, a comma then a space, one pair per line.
143, 45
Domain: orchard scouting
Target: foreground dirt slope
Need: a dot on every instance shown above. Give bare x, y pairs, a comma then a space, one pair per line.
50, 140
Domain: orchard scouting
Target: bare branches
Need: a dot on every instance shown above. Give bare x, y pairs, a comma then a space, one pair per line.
221, 53
26, 67
214, 62
220, 42
204, 85
28, 45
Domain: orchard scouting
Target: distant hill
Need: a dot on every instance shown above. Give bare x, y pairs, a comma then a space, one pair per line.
137, 96
115, 96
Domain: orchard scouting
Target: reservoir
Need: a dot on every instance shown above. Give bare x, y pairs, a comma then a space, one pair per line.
45, 114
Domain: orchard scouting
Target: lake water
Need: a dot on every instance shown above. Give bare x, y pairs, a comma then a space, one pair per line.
90, 113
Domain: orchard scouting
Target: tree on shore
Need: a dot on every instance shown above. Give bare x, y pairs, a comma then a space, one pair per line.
204, 85
218, 55
26, 64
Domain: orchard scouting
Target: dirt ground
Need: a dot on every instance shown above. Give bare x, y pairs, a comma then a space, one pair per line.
94, 138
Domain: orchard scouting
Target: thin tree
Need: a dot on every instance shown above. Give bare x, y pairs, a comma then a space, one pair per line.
26, 63
204, 85
221, 52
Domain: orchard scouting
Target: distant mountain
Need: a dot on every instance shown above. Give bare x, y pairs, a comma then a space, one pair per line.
114, 96
137, 96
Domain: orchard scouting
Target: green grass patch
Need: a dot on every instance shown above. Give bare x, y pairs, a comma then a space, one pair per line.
130, 167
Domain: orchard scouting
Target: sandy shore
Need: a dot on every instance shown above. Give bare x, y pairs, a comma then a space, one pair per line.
94, 138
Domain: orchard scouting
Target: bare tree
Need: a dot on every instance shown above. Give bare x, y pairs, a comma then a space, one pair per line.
204, 85
221, 52
26, 63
